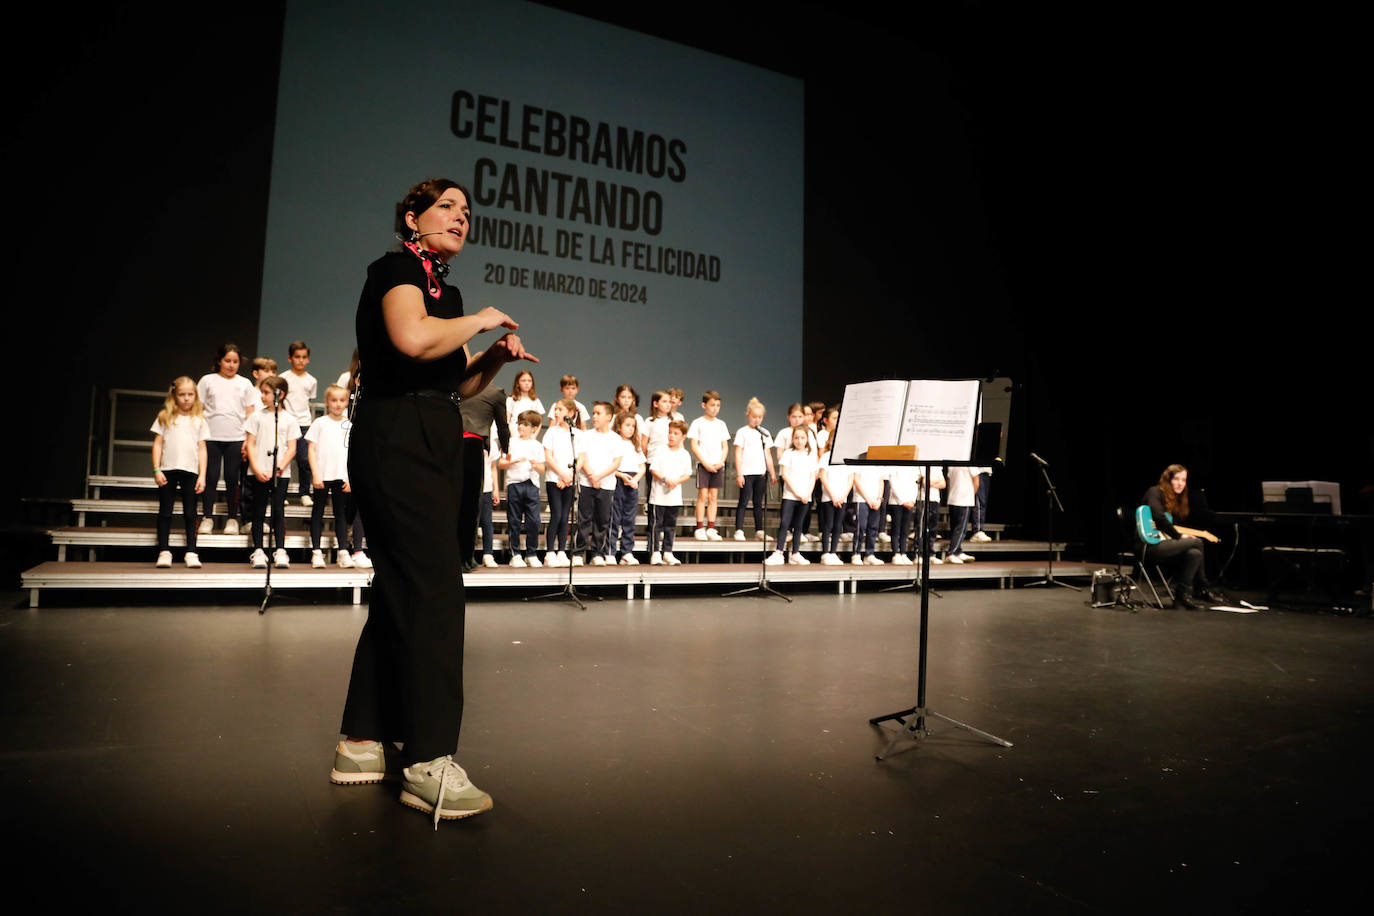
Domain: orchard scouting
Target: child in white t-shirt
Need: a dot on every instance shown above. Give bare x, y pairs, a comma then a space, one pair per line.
326, 455
180, 432
836, 482
559, 462
753, 458
599, 452
626, 503
569, 386
870, 503
270, 456
963, 490
523, 398
304, 389
228, 399
798, 468
710, 439
671, 468
523, 464
656, 428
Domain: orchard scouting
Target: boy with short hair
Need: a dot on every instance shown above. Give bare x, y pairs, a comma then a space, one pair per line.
568, 385
304, 389
710, 439
523, 464
598, 458
672, 467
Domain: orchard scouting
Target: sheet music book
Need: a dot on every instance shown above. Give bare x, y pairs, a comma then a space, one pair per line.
936, 416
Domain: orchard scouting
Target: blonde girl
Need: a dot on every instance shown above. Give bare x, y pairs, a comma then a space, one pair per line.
180, 432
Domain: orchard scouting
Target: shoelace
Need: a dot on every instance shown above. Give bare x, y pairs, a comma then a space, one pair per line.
445, 768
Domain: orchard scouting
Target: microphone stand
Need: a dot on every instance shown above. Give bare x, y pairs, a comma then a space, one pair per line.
569, 591
272, 498
1051, 500
762, 585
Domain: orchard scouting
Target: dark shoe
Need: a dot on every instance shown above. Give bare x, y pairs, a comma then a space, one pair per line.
1184, 598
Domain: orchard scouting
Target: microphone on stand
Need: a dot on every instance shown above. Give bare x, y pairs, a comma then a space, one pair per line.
1043, 463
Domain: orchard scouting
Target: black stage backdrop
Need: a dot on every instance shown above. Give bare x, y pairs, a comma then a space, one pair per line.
1139, 222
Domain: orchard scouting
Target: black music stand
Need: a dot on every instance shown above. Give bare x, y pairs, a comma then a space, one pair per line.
913, 719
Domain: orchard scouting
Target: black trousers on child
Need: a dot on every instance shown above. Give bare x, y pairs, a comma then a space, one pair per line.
183, 482
406, 470
264, 493
229, 454
594, 520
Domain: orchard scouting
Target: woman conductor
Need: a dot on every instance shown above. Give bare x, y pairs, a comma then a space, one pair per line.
405, 467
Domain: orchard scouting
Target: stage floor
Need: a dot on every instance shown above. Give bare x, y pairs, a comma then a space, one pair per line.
702, 755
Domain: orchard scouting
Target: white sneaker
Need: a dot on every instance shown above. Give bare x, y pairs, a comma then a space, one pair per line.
713, 535
936, 561
655, 559
563, 558
192, 560
700, 534
231, 526
307, 501
207, 525
517, 562
164, 559
258, 559
760, 535
978, 537
344, 559
809, 539
884, 537
966, 558
489, 561
671, 560
280, 558
856, 560
847, 537
598, 560
361, 560
901, 559
317, 559
775, 559
952, 559
871, 560
533, 563
739, 535
629, 560
578, 560
798, 560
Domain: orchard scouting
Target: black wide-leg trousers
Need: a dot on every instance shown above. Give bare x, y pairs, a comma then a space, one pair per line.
405, 467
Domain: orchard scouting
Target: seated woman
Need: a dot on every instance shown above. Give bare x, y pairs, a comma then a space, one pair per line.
1168, 502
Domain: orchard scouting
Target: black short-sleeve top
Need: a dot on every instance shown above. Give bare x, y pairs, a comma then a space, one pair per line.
383, 369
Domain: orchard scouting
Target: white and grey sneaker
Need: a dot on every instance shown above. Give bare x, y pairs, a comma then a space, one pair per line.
441, 786
361, 560
344, 559
207, 525
671, 560
192, 560
231, 526
280, 559
739, 535
317, 559
164, 559
258, 559
655, 559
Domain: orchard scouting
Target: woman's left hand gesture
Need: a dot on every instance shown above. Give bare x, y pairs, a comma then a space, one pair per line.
509, 349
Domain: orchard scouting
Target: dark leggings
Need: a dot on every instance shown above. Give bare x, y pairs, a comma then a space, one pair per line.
793, 511
264, 493
1185, 552
832, 526
231, 454
185, 482
755, 487
560, 505
345, 515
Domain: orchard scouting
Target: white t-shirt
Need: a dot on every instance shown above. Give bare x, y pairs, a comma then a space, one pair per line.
515, 408
870, 477
181, 442
752, 442
300, 391
836, 480
937, 476
906, 484
522, 453
672, 463
711, 436
344, 380
631, 459
331, 446
558, 440
960, 491
657, 431
259, 425
601, 450
226, 403
801, 467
